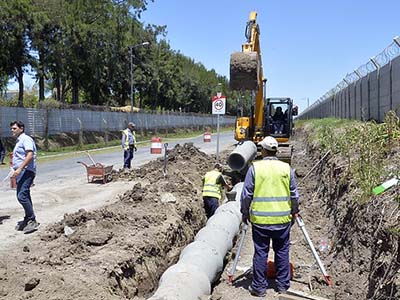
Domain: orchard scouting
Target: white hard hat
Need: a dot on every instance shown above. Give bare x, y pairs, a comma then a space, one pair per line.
269, 143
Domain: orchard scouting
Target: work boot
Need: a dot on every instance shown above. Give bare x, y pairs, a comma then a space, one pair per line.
21, 225
255, 293
31, 226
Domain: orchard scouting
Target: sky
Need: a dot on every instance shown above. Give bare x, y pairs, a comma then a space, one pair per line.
307, 46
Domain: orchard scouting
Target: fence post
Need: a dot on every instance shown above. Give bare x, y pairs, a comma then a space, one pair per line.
105, 132
80, 143
166, 124
46, 130
391, 85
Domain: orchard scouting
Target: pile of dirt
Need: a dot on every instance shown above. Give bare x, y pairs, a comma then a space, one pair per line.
120, 250
363, 246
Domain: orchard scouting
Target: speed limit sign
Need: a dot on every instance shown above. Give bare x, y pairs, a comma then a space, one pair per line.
218, 105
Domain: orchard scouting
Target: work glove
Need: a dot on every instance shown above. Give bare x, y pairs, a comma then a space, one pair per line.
135, 148
245, 219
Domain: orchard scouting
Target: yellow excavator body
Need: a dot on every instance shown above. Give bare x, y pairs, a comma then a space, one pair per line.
246, 74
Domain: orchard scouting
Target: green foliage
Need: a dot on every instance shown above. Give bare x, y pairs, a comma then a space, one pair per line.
363, 145
83, 49
30, 100
49, 104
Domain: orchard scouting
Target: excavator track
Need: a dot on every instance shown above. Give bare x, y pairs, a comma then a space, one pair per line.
244, 71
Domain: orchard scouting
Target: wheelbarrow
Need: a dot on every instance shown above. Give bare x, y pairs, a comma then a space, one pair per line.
97, 171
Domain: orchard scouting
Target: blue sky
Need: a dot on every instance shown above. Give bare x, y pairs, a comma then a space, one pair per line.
307, 46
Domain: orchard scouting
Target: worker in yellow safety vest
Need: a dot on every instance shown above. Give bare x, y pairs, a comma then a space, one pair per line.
269, 201
213, 182
128, 144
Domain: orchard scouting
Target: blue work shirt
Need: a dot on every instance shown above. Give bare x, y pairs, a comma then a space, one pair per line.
24, 143
248, 192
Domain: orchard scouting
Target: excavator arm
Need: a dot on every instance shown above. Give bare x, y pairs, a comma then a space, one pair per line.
246, 74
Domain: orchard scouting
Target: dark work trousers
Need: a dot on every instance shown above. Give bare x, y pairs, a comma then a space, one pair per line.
24, 182
128, 155
2, 154
210, 206
280, 245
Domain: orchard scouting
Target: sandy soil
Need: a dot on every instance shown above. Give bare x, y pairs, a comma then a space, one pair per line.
119, 250
52, 202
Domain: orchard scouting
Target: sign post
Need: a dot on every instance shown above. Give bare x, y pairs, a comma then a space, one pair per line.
218, 108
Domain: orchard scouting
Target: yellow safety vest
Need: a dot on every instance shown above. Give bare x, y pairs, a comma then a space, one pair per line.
126, 132
271, 199
211, 188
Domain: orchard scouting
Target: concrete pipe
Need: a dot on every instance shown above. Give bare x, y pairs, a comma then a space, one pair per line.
182, 282
218, 238
201, 262
205, 257
242, 155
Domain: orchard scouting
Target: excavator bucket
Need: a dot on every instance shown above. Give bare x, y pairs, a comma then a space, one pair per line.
244, 71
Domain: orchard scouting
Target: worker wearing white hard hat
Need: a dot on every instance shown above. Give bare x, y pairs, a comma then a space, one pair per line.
269, 201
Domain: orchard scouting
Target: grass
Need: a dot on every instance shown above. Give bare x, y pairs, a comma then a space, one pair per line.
364, 146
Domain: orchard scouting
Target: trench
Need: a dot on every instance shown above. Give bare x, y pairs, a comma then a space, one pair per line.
122, 250
362, 256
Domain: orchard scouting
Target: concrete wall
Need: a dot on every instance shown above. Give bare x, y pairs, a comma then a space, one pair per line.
370, 97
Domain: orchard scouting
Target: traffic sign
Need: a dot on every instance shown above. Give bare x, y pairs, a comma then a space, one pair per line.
218, 105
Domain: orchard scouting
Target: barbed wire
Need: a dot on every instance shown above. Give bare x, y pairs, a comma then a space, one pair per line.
376, 62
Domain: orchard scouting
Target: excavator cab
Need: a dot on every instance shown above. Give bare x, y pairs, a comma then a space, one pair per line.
278, 118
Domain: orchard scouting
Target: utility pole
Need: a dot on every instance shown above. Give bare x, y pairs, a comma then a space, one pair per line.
131, 54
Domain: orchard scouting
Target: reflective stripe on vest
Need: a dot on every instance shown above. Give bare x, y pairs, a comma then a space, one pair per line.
271, 200
211, 188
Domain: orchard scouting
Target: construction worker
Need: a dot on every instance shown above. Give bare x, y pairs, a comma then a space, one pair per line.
269, 200
213, 181
24, 165
129, 144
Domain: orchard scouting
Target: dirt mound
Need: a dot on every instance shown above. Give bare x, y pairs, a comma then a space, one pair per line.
119, 250
363, 253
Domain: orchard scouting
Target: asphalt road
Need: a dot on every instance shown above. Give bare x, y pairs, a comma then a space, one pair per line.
65, 166
61, 185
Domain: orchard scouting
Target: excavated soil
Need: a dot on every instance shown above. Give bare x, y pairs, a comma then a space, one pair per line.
121, 250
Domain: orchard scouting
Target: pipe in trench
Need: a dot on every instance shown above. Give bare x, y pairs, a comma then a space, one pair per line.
244, 153
201, 262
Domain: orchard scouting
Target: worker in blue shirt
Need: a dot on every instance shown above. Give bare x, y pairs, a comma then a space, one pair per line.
128, 142
24, 165
269, 201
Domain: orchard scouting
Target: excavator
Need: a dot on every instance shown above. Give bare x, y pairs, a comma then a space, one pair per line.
268, 116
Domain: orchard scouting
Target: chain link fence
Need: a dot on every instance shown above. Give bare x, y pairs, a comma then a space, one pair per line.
45, 122
366, 93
